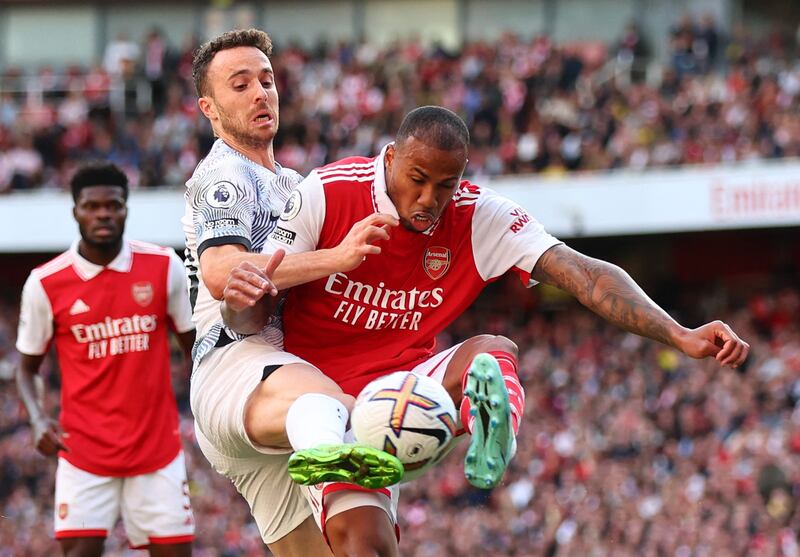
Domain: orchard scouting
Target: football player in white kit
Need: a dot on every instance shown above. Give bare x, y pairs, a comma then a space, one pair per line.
252, 402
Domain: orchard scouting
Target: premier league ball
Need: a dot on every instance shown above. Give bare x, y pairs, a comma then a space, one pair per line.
409, 416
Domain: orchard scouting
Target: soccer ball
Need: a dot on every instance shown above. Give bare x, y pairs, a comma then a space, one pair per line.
409, 416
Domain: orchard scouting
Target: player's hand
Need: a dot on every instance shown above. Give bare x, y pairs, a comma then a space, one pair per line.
248, 283
48, 436
717, 340
360, 241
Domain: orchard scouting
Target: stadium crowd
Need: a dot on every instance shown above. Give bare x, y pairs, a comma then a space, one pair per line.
627, 449
533, 106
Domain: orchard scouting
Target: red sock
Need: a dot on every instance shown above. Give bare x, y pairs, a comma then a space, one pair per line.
516, 394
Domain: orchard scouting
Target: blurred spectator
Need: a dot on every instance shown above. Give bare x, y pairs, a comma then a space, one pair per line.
632, 50
121, 55
706, 43
21, 164
681, 44
156, 58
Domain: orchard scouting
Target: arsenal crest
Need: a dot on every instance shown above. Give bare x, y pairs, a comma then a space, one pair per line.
436, 262
143, 293
63, 510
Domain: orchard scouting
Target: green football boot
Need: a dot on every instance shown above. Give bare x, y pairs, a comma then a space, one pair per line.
351, 463
493, 443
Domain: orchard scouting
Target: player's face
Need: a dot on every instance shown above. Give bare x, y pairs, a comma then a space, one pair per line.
101, 212
243, 102
421, 180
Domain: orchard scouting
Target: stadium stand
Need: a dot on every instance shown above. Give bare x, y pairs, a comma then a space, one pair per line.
628, 448
533, 106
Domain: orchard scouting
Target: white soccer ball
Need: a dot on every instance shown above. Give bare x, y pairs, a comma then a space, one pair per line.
409, 416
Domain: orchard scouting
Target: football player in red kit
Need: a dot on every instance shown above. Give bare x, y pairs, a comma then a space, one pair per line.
453, 238
108, 304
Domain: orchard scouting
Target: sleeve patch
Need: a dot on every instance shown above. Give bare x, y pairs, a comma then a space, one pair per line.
221, 195
292, 207
220, 223
284, 236
521, 218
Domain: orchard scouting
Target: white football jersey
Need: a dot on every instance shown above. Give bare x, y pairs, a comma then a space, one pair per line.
230, 199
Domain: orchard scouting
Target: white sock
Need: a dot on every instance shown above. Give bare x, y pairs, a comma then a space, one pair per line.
315, 419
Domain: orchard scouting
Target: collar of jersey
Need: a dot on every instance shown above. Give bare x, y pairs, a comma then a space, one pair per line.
379, 194
88, 270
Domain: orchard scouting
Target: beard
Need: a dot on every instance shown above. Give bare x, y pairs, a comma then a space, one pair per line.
239, 131
406, 223
107, 243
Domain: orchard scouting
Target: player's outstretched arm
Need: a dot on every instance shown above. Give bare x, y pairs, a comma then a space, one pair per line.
47, 435
612, 293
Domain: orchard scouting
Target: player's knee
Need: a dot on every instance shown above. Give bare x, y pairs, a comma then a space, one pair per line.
494, 343
170, 550
82, 547
348, 400
505, 344
350, 545
348, 539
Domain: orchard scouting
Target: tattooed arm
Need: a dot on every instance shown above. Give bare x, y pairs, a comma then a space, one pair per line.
612, 293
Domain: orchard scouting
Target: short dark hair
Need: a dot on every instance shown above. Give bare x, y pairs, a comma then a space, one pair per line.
230, 39
435, 126
98, 174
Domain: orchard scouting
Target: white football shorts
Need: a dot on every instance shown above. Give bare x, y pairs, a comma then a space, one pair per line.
221, 384
155, 507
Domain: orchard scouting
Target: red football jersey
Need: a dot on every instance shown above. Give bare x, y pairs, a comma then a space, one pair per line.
110, 325
384, 315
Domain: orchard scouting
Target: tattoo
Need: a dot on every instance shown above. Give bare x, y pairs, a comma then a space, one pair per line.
605, 289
